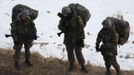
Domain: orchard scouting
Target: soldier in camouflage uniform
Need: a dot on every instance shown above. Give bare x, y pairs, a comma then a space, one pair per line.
109, 38
23, 31
73, 28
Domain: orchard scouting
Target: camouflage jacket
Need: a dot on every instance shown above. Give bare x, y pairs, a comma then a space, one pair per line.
19, 29
109, 38
73, 29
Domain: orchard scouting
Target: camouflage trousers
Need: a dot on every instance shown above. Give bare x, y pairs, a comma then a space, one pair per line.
109, 56
17, 47
111, 61
71, 56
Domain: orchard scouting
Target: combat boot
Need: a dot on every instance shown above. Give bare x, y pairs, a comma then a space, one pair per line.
71, 67
17, 66
107, 73
118, 72
117, 67
28, 62
83, 69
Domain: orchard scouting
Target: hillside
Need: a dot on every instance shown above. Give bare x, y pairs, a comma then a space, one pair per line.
47, 21
45, 66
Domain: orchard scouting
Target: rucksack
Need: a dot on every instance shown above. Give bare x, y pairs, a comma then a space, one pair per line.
123, 29
80, 10
18, 8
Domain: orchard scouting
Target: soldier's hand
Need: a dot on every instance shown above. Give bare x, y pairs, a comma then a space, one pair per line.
35, 37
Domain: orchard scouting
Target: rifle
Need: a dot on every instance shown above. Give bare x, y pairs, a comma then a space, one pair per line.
61, 15
28, 36
8, 35
59, 33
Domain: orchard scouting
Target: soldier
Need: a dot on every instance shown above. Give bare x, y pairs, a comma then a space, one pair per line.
109, 38
73, 28
24, 32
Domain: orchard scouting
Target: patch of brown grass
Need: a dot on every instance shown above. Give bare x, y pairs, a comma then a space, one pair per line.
45, 66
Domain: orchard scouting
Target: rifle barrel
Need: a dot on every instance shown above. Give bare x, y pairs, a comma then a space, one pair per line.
7, 35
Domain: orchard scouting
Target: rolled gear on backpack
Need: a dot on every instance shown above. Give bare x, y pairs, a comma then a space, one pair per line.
80, 10
122, 27
19, 8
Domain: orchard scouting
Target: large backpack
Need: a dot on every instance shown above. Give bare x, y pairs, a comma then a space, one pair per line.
18, 8
122, 27
81, 11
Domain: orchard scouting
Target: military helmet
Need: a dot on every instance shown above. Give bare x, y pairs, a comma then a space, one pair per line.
107, 23
66, 10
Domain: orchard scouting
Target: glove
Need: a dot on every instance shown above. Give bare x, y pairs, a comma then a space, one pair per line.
80, 42
35, 37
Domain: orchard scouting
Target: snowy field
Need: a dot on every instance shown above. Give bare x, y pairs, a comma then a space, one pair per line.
48, 20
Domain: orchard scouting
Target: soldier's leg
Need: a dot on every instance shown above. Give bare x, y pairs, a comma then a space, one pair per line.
80, 58
71, 57
28, 45
107, 64
116, 65
79, 55
17, 47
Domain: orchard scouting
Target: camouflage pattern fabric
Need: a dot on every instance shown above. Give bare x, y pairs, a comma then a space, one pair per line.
19, 30
82, 11
73, 29
109, 39
122, 27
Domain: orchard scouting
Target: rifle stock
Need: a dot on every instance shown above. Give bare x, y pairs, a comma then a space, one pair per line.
59, 33
32, 36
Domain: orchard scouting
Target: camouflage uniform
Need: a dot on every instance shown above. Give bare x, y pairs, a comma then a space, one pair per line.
109, 38
20, 32
73, 28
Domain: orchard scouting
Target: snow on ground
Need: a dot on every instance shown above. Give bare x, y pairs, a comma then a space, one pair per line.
48, 20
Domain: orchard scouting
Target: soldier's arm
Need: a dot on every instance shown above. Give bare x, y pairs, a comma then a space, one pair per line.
99, 37
34, 30
13, 28
98, 40
61, 26
14, 31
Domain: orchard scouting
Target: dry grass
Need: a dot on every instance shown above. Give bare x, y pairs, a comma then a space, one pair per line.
45, 66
